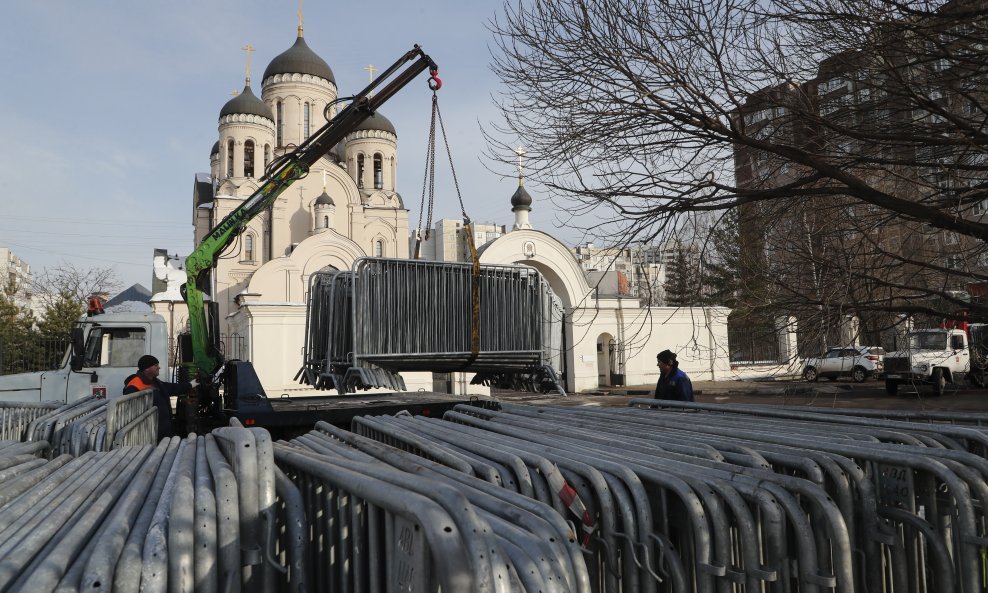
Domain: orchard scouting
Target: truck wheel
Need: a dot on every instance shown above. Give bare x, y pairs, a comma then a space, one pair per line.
810, 374
939, 382
859, 374
892, 388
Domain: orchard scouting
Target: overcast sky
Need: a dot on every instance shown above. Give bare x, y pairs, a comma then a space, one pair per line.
108, 110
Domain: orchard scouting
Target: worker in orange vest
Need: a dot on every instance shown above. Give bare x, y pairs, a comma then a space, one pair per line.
146, 377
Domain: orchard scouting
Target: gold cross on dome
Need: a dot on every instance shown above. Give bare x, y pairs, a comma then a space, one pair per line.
520, 151
248, 48
370, 70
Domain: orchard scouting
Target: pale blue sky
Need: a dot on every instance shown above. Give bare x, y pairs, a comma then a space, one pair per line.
108, 109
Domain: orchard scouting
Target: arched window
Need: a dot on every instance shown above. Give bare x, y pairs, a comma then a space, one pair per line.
360, 170
378, 171
325, 222
280, 123
267, 156
379, 248
229, 158
248, 247
249, 158
305, 122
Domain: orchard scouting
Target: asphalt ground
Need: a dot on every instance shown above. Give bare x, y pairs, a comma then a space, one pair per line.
788, 393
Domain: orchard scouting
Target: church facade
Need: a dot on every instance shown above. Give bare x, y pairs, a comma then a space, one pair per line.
347, 206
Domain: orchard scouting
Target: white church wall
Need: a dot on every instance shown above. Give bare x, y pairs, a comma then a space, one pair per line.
698, 336
275, 334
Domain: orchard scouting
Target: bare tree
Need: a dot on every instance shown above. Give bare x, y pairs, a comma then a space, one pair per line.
66, 282
850, 134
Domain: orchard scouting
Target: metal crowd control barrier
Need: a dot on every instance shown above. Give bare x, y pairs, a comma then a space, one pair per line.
388, 316
927, 528
201, 514
692, 500
386, 520
16, 416
92, 424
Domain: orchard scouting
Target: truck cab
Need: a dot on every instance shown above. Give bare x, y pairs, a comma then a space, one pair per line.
935, 356
104, 352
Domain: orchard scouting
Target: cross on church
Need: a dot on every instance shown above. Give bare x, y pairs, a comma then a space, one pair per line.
299, 18
520, 151
248, 48
371, 70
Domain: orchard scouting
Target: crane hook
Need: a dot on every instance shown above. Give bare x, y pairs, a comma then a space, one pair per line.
434, 82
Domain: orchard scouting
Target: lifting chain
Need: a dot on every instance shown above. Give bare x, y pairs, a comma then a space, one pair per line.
429, 185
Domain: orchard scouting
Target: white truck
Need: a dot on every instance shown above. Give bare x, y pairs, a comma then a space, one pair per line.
934, 356
104, 352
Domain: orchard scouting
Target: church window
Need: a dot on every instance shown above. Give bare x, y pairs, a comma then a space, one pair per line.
325, 222
378, 248
360, 170
378, 171
249, 248
249, 158
280, 124
229, 158
267, 156
305, 122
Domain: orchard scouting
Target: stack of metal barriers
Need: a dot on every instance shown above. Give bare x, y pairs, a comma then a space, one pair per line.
92, 424
388, 316
395, 521
194, 514
16, 416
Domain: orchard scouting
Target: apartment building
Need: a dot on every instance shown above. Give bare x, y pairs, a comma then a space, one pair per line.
904, 116
16, 273
448, 240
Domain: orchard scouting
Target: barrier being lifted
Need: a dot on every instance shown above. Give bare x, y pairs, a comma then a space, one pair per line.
387, 316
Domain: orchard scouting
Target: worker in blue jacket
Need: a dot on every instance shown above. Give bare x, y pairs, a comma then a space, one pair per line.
673, 383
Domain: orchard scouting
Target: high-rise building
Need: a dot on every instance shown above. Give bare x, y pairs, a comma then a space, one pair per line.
899, 115
15, 273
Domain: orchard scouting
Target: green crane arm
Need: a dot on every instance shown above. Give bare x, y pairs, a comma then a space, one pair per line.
290, 168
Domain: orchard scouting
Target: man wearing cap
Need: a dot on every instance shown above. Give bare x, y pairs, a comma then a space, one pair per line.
673, 383
147, 378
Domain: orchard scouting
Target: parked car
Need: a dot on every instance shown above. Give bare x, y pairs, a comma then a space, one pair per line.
857, 362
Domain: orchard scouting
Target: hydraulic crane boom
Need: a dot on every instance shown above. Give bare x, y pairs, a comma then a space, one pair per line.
293, 166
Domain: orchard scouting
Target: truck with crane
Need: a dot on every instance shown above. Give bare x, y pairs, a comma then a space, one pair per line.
105, 348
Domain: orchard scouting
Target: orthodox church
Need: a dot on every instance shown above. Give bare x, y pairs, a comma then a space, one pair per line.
347, 206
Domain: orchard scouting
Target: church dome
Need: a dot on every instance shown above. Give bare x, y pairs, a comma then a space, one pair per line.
215, 149
325, 200
299, 59
377, 122
339, 152
521, 199
247, 103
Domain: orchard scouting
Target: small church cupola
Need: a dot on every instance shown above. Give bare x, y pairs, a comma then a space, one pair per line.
323, 210
521, 202
246, 128
371, 151
247, 103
